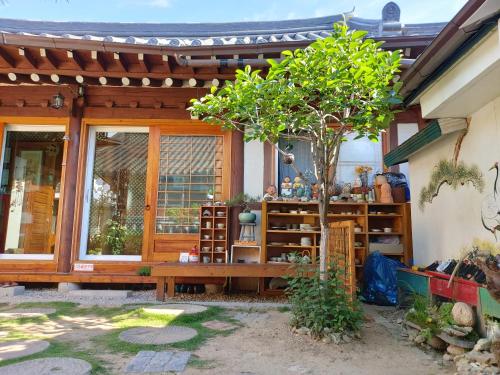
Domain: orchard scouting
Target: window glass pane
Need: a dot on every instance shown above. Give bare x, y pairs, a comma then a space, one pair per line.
190, 172
352, 153
29, 191
118, 188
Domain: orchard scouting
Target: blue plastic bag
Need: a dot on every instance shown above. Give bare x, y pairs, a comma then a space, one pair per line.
380, 284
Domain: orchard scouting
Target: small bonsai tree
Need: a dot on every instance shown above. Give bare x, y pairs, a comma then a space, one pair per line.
338, 85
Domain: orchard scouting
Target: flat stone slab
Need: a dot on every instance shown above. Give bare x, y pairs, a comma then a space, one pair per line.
11, 291
157, 335
219, 325
21, 348
27, 313
100, 293
48, 366
175, 309
149, 362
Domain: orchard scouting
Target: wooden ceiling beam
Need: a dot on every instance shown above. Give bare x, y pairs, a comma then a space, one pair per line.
76, 58
84, 80
151, 82
49, 58
28, 57
126, 81
120, 61
170, 82
111, 81
99, 59
7, 58
143, 62
59, 80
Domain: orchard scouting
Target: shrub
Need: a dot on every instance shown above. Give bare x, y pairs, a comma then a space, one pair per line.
144, 271
322, 305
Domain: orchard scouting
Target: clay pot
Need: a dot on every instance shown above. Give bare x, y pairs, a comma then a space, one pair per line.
247, 217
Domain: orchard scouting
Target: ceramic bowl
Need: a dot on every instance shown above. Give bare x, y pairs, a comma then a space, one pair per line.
387, 230
219, 249
206, 236
220, 225
205, 249
218, 260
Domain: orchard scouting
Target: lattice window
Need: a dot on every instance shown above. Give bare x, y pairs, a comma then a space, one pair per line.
190, 174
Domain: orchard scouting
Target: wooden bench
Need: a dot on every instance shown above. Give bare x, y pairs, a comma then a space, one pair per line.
166, 273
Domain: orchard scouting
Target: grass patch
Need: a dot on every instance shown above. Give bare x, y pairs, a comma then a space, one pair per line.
57, 349
202, 364
284, 309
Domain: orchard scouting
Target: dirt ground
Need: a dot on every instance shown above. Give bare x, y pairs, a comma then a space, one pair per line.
265, 345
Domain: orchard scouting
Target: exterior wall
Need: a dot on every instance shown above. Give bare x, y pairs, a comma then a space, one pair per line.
453, 219
254, 168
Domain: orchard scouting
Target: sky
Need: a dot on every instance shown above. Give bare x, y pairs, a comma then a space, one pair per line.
412, 11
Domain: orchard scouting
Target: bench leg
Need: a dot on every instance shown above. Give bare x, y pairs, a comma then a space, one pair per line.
160, 288
171, 286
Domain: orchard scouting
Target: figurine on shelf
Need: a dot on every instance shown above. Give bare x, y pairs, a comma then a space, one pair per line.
346, 191
286, 187
271, 193
298, 187
315, 191
385, 189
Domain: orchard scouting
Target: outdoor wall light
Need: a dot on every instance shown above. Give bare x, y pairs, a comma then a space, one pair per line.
57, 101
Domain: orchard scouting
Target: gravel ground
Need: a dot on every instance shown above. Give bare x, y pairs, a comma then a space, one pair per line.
148, 297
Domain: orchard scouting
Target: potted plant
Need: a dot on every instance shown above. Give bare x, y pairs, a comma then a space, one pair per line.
243, 200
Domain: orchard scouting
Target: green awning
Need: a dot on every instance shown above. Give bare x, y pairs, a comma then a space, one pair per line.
433, 131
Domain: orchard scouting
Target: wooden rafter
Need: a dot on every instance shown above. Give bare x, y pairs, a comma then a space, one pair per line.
120, 61
98, 58
143, 62
28, 56
77, 59
6, 58
49, 58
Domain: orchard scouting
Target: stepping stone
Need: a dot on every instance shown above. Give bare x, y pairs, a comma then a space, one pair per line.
157, 335
21, 348
175, 309
48, 366
11, 291
27, 313
100, 293
149, 362
218, 325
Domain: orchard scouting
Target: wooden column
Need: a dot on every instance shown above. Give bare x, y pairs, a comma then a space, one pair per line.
237, 171
66, 239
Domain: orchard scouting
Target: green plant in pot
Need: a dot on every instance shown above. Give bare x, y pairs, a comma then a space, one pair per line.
243, 200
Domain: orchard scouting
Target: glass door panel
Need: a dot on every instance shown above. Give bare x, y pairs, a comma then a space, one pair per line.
29, 191
115, 193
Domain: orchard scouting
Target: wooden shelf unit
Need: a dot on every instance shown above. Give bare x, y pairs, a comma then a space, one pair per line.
214, 232
368, 216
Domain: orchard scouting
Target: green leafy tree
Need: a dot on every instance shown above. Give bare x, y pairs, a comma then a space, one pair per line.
337, 85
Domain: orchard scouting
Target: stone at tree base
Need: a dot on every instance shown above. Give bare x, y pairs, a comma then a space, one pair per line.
48, 366
150, 362
463, 314
457, 331
483, 358
482, 344
21, 348
437, 343
455, 350
420, 339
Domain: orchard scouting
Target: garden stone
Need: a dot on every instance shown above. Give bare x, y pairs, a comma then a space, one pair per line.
457, 331
437, 343
48, 366
175, 309
336, 338
157, 336
150, 362
327, 340
346, 338
482, 344
447, 357
303, 331
484, 358
455, 350
463, 314
420, 339
21, 348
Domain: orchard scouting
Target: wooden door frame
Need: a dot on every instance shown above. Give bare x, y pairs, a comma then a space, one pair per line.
62, 122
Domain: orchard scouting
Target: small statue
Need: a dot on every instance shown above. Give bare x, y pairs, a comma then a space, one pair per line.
286, 187
298, 186
385, 189
315, 191
271, 193
346, 191
307, 192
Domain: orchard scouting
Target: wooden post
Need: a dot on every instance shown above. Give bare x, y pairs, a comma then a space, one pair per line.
160, 288
170, 286
66, 238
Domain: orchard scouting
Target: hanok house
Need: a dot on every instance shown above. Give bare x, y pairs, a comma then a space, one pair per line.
93, 124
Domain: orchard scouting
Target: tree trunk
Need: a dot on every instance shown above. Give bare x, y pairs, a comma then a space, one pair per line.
325, 230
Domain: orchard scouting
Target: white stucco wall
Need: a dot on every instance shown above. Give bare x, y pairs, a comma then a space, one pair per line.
453, 219
253, 177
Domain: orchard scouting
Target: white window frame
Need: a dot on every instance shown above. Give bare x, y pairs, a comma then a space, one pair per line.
27, 128
87, 193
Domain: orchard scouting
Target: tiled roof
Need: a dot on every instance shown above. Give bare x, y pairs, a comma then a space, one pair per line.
213, 34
